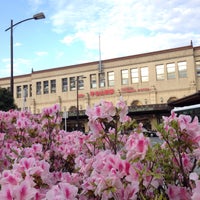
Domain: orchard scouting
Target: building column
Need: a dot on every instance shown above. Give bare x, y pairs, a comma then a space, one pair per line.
153, 95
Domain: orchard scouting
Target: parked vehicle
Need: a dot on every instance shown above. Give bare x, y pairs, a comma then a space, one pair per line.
150, 133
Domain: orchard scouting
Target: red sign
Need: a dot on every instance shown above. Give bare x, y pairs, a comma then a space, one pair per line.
132, 89
81, 95
102, 92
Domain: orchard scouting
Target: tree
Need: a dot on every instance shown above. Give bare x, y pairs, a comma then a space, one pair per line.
6, 100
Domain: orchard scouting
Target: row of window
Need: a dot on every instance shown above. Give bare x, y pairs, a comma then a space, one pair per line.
136, 75
142, 74
171, 70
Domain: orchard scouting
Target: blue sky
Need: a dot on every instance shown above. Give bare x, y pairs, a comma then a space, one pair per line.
70, 32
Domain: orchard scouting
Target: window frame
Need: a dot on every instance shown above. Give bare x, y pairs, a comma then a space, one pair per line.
111, 78
124, 76
38, 88
19, 91
144, 72
53, 85
134, 75
46, 87
102, 80
93, 81
64, 84
72, 83
182, 73
160, 72
197, 68
172, 74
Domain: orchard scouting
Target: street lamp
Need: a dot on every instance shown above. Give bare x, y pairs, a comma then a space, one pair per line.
36, 17
77, 99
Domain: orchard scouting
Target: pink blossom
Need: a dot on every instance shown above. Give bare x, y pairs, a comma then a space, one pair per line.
129, 192
187, 163
2, 135
137, 146
9, 177
177, 193
104, 110
36, 166
7, 193
62, 191
123, 110
196, 191
24, 191
194, 176
96, 129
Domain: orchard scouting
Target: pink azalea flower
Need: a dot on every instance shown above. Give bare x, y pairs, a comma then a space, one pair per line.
7, 193
8, 177
62, 191
178, 193
129, 192
2, 135
105, 110
196, 191
123, 110
24, 191
137, 146
194, 176
187, 164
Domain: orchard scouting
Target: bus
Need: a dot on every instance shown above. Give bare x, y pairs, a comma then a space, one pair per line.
193, 110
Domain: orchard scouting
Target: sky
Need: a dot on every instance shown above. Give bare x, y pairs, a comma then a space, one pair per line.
80, 31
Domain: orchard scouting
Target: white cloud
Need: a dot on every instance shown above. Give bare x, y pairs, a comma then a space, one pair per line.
68, 39
59, 55
20, 66
126, 27
129, 26
17, 44
35, 4
41, 53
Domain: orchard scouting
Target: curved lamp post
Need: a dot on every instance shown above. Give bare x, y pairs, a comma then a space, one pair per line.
36, 17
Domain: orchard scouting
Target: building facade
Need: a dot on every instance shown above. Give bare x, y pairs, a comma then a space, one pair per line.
144, 81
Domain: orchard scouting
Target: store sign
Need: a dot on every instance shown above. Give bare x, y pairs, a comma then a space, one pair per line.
81, 95
102, 92
132, 89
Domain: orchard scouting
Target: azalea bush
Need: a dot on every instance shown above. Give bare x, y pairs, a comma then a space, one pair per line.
115, 160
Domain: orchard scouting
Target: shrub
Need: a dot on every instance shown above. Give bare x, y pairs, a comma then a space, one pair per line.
39, 161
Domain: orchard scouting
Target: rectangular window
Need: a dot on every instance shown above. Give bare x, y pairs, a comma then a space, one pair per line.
19, 91
102, 82
134, 75
93, 81
198, 68
80, 82
171, 71
53, 86
111, 79
144, 74
72, 81
124, 75
64, 85
38, 88
160, 72
25, 90
182, 69
30, 90
45, 87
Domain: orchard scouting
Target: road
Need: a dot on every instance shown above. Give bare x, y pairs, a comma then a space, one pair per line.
155, 140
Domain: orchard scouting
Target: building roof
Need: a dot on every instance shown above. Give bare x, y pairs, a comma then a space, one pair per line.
187, 100
148, 54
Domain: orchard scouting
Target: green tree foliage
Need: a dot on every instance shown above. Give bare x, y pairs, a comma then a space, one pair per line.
6, 100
